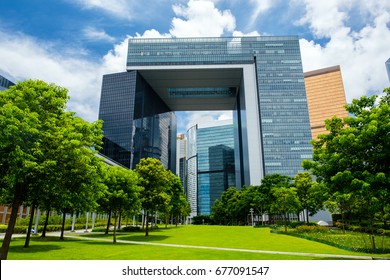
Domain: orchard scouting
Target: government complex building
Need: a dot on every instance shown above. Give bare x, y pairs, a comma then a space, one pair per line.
259, 78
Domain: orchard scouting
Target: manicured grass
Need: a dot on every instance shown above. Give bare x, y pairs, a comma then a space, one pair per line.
354, 241
212, 236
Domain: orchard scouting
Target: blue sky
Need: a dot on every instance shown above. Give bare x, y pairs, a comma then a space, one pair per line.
74, 42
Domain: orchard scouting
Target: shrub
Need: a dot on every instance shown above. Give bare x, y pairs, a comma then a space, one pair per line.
310, 228
201, 219
294, 224
336, 218
131, 229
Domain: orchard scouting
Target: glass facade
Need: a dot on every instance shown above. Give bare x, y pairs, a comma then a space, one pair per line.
137, 124
388, 68
215, 170
281, 96
192, 166
271, 129
5, 83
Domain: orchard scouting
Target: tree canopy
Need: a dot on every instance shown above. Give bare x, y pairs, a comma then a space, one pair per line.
45, 150
353, 159
162, 190
122, 193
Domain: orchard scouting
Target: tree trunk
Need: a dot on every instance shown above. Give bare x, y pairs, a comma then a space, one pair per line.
115, 221
120, 220
63, 226
143, 219
11, 223
46, 222
27, 242
108, 222
285, 222
147, 223
307, 216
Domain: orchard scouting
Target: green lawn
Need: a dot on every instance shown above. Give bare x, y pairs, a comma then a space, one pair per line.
211, 236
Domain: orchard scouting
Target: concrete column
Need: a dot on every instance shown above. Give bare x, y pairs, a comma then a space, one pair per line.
38, 215
28, 211
4, 215
86, 222
73, 221
93, 220
21, 211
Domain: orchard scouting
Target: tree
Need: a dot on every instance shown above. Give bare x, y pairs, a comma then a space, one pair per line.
311, 195
354, 157
29, 112
153, 179
285, 201
268, 183
178, 201
77, 184
122, 192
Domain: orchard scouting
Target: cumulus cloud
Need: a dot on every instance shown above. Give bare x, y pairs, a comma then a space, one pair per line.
24, 57
242, 34
193, 118
153, 33
201, 19
259, 8
361, 52
93, 34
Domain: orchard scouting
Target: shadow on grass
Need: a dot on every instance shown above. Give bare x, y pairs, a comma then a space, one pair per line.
142, 238
129, 236
34, 248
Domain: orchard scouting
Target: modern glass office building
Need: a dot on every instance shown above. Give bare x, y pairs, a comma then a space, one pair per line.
213, 168
259, 78
137, 124
388, 68
5, 83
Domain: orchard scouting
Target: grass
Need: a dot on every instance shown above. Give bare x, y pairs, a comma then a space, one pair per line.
354, 241
52, 248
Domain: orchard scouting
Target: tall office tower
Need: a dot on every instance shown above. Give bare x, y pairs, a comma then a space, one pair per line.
212, 164
137, 123
5, 83
181, 159
388, 68
325, 97
259, 78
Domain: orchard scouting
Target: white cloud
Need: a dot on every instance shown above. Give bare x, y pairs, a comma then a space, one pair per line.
152, 33
119, 8
201, 19
259, 8
93, 34
325, 18
24, 57
361, 52
241, 34
197, 117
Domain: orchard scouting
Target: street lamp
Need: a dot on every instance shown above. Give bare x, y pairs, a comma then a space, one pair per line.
251, 211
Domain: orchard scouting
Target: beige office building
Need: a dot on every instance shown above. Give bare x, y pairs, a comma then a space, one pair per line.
325, 97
